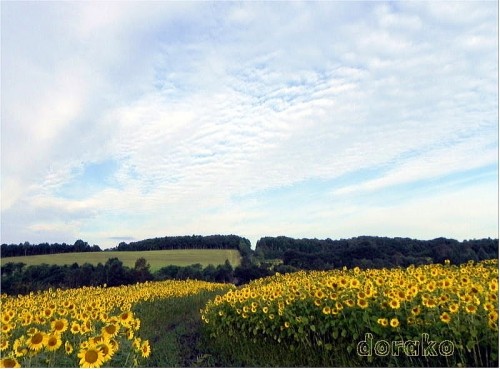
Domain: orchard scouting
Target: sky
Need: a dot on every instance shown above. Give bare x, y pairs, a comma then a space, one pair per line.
123, 121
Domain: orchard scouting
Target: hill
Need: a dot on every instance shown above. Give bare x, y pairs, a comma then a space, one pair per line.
157, 259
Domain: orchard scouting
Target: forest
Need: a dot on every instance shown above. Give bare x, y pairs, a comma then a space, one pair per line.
372, 252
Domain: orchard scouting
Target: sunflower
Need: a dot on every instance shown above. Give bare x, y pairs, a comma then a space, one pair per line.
145, 349
47, 312
394, 304
129, 333
114, 344
111, 330
493, 324
7, 327
471, 309
383, 322
362, 303
349, 302
68, 347
19, 347
26, 319
37, 341
136, 344
319, 294
493, 285
86, 326
4, 344
75, 328
9, 362
394, 322
53, 342
445, 317
91, 357
59, 325
430, 303
453, 308
126, 317
6, 318
327, 310
107, 350
96, 340
488, 306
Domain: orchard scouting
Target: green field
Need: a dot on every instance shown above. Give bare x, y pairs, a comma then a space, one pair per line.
157, 259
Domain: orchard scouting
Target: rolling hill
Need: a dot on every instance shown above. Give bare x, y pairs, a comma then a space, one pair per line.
157, 258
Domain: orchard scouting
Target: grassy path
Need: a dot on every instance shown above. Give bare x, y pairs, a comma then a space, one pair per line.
174, 330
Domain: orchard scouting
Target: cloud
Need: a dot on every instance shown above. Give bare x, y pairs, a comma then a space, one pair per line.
204, 108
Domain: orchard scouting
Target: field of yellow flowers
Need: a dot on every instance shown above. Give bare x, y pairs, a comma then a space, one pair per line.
418, 316
87, 327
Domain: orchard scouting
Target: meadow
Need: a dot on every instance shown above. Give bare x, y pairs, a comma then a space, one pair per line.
430, 315
156, 258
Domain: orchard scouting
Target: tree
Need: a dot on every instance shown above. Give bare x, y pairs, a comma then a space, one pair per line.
116, 273
142, 271
224, 273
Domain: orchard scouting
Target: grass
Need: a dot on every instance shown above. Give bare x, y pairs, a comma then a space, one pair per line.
174, 330
157, 259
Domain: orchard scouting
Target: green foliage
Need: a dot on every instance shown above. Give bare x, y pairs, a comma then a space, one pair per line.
373, 252
25, 249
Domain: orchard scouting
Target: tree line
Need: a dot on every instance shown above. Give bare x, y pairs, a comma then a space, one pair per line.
187, 242
27, 249
18, 278
372, 252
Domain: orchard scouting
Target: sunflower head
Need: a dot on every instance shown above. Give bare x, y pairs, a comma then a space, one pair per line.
394, 322
9, 362
59, 325
362, 303
91, 357
110, 330
68, 347
107, 350
37, 341
145, 349
445, 317
53, 342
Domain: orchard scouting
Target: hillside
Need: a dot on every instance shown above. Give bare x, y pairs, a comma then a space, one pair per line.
157, 259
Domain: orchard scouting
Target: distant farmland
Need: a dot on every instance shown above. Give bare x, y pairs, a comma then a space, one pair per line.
157, 259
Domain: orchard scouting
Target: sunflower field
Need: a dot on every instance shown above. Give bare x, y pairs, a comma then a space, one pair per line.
417, 316
88, 327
